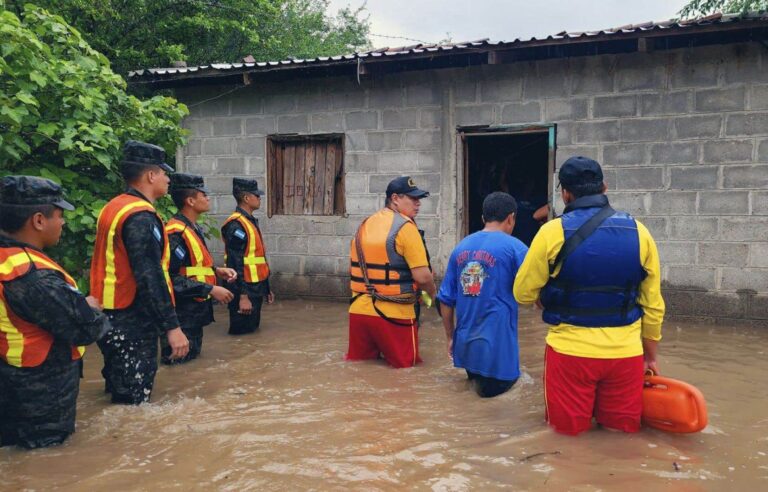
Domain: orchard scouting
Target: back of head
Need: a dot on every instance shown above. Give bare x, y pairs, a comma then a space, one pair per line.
581, 176
497, 206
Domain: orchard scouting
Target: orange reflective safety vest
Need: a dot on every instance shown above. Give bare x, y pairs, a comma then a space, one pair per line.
388, 271
24, 344
255, 267
112, 280
201, 261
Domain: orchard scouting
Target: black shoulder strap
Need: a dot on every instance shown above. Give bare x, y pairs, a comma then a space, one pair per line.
581, 234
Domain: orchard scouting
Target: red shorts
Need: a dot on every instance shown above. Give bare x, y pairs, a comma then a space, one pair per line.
370, 336
578, 388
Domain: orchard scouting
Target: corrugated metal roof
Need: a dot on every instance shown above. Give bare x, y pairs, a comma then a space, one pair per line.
439, 49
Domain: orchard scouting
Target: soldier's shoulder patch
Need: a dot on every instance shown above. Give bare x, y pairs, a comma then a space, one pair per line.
179, 252
73, 289
156, 232
239, 233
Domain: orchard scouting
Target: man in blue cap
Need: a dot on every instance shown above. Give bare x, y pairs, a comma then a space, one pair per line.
44, 319
596, 273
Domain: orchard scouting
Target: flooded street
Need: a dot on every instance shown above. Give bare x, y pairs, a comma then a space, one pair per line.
281, 410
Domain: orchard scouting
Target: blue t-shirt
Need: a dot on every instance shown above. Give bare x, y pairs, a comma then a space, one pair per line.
478, 284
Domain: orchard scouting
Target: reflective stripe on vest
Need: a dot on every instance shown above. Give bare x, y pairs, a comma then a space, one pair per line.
598, 283
256, 268
388, 271
112, 280
201, 268
24, 344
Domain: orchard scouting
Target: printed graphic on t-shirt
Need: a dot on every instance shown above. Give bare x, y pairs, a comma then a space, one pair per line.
472, 277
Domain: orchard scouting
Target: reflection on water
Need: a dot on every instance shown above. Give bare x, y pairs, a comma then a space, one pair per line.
281, 410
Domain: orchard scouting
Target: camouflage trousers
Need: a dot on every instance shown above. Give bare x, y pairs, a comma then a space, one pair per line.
37, 404
130, 366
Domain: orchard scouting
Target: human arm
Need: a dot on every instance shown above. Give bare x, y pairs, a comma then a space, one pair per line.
447, 297
45, 299
533, 274
649, 296
183, 286
426, 282
235, 242
410, 244
541, 214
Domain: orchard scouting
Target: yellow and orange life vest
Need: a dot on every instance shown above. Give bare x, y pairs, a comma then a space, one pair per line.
388, 271
24, 344
112, 280
255, 268
201, 261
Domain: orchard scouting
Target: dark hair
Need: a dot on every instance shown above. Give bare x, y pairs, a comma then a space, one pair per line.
13, 217
497, 206
132, 172
239, 196
180, 196
585, 189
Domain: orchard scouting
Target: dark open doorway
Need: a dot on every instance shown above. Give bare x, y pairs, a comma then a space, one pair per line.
519, 161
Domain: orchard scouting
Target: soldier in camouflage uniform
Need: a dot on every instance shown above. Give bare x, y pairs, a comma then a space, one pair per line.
129, 276
44, 319
192, 269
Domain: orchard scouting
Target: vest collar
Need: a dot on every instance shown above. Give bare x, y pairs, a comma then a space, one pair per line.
9, 242
137, 193
589, 201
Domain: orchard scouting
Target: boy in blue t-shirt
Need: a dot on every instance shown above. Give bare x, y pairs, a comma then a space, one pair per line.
478, 287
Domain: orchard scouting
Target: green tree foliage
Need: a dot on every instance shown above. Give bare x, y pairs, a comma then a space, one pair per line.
65, 115
696, 8
151, 33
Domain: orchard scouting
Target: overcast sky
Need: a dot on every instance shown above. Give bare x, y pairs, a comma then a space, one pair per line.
501, 20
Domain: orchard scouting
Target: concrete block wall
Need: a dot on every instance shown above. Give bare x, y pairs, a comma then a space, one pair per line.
682, 136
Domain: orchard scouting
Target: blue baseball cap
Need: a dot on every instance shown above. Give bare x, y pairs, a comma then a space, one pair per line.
579, 170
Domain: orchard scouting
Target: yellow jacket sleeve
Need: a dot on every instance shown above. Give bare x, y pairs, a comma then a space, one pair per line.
534, 272
649, 297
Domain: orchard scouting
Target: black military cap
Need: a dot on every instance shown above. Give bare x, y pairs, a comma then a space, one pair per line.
579, 170
181, 181
31, 190
405, 185
144, 154
247, 185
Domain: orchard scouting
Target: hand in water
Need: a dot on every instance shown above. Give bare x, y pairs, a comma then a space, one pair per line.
221, 294
178, 342
270, 297
245, 307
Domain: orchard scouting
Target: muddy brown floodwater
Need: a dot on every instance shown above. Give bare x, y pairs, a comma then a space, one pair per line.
281, 410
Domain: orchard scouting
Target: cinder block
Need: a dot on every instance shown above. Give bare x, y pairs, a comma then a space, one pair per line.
219, 185
672, 203
327, 122
759, 202
693, 228
718, 100
689, 277
363, 204
379, 141
646, 178
289, 284
199, 128
347, 227
217, 146
593, 74
674, 153
250, 146
727, 151
400, 118
744, 228
762, 151
501, 89
693, 178
378, 182
754, 177
758, 97
279, 104
657, 226
595, 131
475, 115
430, 161
565, 109
356, 183
386, 97
256, 165
639, 72
645, 130
326, 286
282, 264
260, 125
194, 147
754, 279
230, 165
246, 102
292, 245
564, 152
548, 82
360, 163
625, 154
742, 65
211, 109
747, 124
423, 139
423, 95
320, 265
351, 99
330, 246
634, 203
199, 166
678, 102
704, 126
529, 112
676, 252
758, 254
284, 224
614, 106
362, 120
317, 227
695, 303
724, 202
687, 74
314, 101
430, 118
355, 141
293, 124
757, 308
723, 254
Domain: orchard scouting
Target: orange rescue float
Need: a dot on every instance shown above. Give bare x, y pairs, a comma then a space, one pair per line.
672, 405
